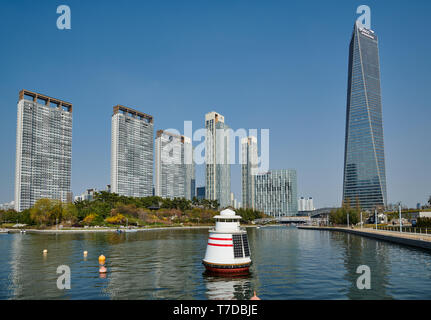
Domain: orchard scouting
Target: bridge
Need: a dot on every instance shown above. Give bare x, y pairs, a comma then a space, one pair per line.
293, 219
315, 217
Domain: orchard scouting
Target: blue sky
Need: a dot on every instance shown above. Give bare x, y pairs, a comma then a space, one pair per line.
280, 65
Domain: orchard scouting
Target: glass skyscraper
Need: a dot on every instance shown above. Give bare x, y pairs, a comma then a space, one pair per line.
364, 159
276, 193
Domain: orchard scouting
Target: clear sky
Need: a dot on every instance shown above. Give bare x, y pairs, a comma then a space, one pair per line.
280, 65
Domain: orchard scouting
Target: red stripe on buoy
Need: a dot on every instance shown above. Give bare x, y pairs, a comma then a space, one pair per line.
220, 245
221, 239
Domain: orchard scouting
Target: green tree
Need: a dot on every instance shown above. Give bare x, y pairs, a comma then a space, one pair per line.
423, 222
339, 216
248, 215
215, 204
46, 211
70, 213
195, 201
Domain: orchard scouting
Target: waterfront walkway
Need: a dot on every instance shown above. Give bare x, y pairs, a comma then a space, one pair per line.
419, 240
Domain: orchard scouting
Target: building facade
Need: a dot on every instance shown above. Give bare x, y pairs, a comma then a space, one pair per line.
87, 195
364, 159
131, 152
276, 193
217, 174
43, 149
189, 168
169, 167
7, 206
175, 171
200, 193
305, 204
249, 167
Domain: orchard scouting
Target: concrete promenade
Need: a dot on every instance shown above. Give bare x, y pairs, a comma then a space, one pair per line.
418, 240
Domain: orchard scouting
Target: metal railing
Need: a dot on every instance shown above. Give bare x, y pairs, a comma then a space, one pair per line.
414, 230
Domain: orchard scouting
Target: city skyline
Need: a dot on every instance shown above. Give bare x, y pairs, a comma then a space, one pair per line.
319, 172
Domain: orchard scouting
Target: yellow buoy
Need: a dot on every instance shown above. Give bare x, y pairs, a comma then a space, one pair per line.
85, 253
45, 251
102, 259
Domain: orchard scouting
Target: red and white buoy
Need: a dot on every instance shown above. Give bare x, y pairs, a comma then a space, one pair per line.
227, 250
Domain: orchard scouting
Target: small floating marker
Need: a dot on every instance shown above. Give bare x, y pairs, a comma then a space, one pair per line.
102, 259
102, 269
85, 253
45, 251
255, 297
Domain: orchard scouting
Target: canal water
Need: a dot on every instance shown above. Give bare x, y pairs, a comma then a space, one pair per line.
287, 264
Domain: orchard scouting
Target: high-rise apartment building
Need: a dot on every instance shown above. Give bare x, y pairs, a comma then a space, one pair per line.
131, 152
249, 167
305, 204
170, 170
276, 193
217, 182
364, 158
189, 168
43, 149
174, 166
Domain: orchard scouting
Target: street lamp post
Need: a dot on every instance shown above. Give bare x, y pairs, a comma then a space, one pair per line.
375, 217
347, 220
401, 222
361, 221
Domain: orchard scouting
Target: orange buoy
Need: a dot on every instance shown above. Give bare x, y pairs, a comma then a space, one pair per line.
255, 297
102, 269
102, 259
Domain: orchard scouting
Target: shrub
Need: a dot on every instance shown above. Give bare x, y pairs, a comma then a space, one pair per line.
117, 219
423, 222
90, 219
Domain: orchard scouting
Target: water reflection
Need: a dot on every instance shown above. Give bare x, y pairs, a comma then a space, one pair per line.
287, 264
227, 288
359, 251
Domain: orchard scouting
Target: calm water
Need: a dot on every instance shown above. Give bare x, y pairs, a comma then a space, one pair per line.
287, 264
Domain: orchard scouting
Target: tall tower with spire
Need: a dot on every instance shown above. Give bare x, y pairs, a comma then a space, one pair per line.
364, 156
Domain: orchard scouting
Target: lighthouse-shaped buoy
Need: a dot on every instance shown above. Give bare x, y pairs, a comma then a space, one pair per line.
227, 250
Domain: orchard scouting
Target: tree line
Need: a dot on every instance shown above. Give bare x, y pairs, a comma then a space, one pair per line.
112, 209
